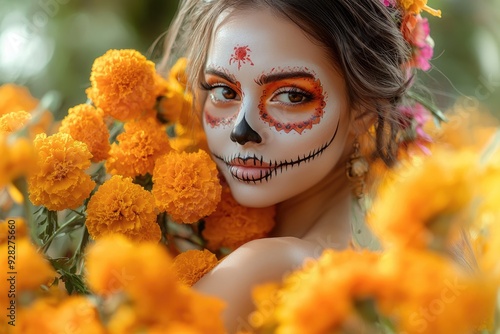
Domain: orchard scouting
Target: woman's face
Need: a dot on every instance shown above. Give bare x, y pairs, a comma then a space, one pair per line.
276, 110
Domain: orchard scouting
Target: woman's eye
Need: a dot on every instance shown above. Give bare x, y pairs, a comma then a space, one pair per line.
291, 97
223, 93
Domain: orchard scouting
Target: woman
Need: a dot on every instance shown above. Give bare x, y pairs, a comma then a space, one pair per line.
286, 87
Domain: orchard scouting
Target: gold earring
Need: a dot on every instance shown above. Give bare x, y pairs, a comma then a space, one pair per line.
356, 169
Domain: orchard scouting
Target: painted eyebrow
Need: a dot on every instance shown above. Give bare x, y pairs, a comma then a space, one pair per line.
267, 78
221, 74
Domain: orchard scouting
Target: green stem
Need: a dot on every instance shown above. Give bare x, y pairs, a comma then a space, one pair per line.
70, 222
77, 257
428, 105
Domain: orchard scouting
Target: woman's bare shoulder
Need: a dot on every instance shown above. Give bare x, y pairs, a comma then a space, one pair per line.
256, 262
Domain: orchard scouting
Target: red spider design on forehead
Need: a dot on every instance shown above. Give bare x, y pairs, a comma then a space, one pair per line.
241, 56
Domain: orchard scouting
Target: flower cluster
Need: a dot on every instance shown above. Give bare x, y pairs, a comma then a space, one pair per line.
105, 197
413, 113
438, 273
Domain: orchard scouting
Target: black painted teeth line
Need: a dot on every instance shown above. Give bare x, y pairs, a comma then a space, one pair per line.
275, 165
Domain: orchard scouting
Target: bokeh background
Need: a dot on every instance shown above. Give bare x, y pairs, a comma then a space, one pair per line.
49, 45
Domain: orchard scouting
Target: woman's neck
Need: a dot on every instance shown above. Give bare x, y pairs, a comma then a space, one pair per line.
320, 215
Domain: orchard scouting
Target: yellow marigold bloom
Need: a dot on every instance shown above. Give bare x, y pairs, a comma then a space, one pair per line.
86, 124
232, 225
424, 205
416, 6
13, 121
186, 185
116, 265
189, 138
193, 264
123, 84
18, 159
15, 227
120, 206
76, 314
60, 181
140, 145
14, 98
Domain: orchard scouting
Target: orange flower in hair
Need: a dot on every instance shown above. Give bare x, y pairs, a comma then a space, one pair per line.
59, 181
120, 206
186, 185
13, 121
86, 124
416, 6
123, 84
193, 264
140, 145
232, 225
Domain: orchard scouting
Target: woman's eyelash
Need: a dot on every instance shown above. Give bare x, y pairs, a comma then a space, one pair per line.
206, 86
294, 90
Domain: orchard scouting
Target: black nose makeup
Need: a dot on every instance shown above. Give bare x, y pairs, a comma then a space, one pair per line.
243, 133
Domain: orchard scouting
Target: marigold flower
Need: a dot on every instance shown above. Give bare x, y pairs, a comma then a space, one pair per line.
14, 98
186, 185
336, 292
123, 84
140, 145
120, 206
32, 268
86, 124
13, 121
232, 225
75, 313
423, 205
18, 159
15, 227
193, 264
116, 265
60, 181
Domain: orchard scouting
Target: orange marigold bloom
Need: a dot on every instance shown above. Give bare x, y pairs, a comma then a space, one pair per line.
116, 265
186, 185
15, 227
232, 225
76, 314
60, 181
14, 98
422, 205
193, 264
120, 206
416, 6
31, 267
13, 121
86, 124
123, 84
140, 145
18, 159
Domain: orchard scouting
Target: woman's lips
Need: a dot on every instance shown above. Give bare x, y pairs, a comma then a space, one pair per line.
249, 169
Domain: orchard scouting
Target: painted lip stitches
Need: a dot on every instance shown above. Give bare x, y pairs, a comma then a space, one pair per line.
255, 169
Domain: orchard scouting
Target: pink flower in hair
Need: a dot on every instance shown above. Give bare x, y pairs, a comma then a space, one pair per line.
414, 120
417, 33
388, 3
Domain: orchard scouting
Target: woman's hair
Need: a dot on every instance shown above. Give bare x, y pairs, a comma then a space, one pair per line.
361, 37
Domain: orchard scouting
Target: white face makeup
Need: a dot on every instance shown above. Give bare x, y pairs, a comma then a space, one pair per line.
276, 114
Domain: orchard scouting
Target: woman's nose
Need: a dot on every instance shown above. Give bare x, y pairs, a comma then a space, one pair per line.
243, 133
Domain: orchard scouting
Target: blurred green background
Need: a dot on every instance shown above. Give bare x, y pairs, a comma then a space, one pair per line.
49, 45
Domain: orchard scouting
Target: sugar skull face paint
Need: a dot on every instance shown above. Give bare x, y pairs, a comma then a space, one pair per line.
278, 127
241, 55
